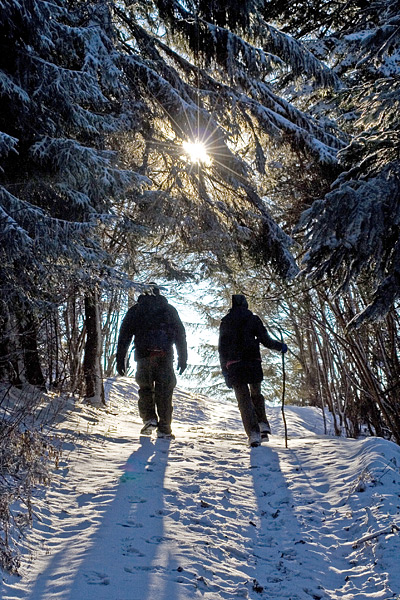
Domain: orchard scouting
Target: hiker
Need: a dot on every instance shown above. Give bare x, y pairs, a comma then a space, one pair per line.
156, 327
240, 335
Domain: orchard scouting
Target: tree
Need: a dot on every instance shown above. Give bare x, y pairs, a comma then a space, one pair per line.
203, 82
62, 95
213, 69
353, 231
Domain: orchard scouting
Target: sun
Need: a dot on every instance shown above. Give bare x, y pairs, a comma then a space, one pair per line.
197, 152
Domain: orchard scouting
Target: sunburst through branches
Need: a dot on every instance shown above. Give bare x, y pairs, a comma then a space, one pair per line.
197, 152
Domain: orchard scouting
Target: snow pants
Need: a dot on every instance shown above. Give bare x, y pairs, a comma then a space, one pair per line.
251, 405
156, 379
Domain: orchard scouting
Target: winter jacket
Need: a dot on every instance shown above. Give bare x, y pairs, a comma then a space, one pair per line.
240, 335
155, 326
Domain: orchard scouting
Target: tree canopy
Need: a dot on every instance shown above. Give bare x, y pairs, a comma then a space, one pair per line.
244, 80
296, 105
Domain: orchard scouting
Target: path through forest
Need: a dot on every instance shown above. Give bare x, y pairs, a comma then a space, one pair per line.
130, 517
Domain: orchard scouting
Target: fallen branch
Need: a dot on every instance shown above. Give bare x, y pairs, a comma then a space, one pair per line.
389, 530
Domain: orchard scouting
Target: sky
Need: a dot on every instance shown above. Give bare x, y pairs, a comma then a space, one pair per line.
131, 517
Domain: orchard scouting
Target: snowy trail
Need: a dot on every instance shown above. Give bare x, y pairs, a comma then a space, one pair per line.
204, 516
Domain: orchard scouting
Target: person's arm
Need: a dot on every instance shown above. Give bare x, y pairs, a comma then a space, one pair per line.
222, 349
223, 344
265, 339
126, 334
180, 341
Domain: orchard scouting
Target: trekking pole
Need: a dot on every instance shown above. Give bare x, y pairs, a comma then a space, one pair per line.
283, 392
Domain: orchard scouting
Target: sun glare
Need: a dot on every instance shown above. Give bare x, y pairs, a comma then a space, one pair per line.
196, 152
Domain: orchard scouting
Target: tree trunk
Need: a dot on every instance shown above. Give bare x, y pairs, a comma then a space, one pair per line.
93, 350
75, 342
9, 367
32, 370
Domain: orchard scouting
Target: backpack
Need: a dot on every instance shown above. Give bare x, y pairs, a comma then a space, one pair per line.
155, 331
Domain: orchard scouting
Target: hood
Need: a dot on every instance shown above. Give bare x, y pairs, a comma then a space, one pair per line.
239, 300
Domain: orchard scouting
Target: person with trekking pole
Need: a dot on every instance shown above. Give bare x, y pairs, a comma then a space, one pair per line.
156, 327
240, 335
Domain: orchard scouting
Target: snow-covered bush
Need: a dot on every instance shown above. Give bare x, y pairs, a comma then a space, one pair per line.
27, 455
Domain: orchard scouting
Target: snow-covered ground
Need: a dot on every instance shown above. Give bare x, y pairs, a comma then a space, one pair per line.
204, 516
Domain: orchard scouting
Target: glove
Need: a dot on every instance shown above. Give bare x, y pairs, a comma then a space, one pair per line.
227, 379
284, 348
121, 367
181, 366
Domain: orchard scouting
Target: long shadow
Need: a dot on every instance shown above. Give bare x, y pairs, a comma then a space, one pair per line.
122, 558
279, 546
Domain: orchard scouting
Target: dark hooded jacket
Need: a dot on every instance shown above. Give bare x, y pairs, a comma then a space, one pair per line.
155, 326
240, 335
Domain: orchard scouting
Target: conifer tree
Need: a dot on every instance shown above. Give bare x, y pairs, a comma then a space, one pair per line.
353, 232
202, 81
325, 90
62, 94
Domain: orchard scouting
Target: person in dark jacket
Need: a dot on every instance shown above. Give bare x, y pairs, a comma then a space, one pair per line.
240, 335
156, 327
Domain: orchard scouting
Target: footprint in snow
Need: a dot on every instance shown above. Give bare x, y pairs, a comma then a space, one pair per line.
155, 539
135, 570
129, 550
96, 578
130, 523
136, 500
289, 555
315, 595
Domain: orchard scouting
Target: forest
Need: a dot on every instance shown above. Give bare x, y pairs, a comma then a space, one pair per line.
294, 202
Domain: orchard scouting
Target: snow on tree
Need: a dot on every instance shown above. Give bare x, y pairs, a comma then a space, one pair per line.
194, 73
62, 94
211, 79
84, 80
352, 234
354, 230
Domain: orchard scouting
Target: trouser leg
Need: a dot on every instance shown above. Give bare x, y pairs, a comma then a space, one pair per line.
258, 402
247, 411
164, 384
144, 379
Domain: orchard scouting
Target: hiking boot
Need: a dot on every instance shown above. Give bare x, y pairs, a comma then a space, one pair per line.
255, 439
265, 429
149, 426
164, 435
